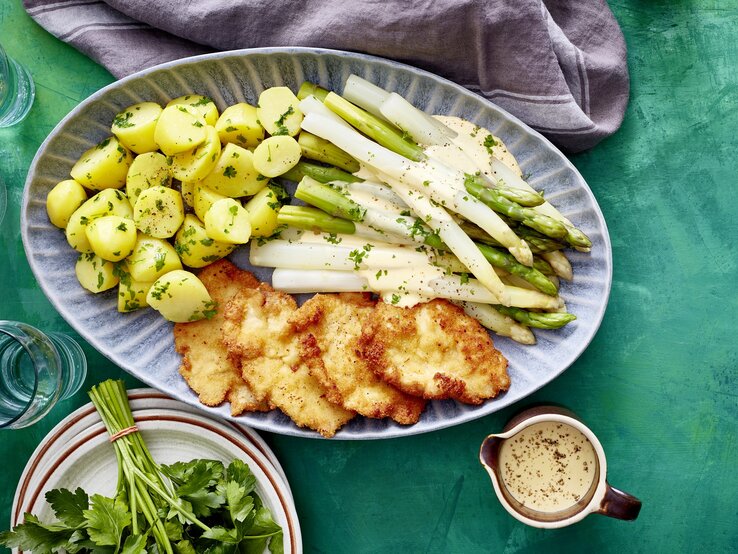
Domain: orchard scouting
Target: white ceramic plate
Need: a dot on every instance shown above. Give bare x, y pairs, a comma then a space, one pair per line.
142, 343
139, 399
86, 459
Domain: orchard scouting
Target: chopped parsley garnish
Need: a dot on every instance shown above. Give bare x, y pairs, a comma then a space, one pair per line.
122, 120
202, 101
489, 142
103, 144
161, 260
229, 172
230, 129
395, 298
333, 238
357, 256
122, 227
281, 128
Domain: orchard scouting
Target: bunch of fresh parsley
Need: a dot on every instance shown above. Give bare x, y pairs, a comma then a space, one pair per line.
222, 498
192, 507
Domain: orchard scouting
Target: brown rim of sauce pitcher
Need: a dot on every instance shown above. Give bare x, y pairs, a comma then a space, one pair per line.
601, 498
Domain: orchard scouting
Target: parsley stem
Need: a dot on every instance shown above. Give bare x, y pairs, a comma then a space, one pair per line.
174, 503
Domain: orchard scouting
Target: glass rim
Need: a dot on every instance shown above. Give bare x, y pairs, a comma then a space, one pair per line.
24, 339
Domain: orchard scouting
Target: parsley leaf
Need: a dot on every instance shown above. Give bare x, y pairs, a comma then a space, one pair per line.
69, 506
106, 520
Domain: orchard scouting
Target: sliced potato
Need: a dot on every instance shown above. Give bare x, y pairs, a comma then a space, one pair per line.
201, 105
152, 258
195, 164
159, 212
94, 273
147, 170
135, 127
181, 297
278, 111
228, 221
204, 198
276, 155
178, 130
103, 166
188, 193
106, 202
234, 175
63, 200
263, 209
112, 237
195, 247
239, 125
131, 293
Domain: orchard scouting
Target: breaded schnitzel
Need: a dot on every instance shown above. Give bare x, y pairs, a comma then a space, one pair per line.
205, 364
433, 350
257, 333
329, 326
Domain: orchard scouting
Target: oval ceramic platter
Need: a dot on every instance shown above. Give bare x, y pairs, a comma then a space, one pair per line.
142, 343
77, 453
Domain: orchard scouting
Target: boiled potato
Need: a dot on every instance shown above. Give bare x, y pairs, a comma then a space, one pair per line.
131, 293
195, 164
152, 258
203, 106
234, 174
263, 209
203, 199
135, 127
278, 111
188, 193
112, 237
181, 297
178, 130
63, 200
147, 170
159, 212
228, 221
106, 202
276, 155
239, 124
104, 166
94, 273
195, 247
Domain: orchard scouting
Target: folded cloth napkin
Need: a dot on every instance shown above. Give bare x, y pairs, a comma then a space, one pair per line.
559, 65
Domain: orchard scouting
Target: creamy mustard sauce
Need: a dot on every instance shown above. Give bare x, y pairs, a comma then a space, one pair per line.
548, 466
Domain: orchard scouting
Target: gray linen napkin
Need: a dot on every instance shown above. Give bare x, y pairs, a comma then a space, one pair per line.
559, 65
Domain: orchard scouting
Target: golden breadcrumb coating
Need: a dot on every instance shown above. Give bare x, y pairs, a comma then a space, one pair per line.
434, 350
205, 363
330, 326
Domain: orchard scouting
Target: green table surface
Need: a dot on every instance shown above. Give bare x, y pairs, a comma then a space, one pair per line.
657, 385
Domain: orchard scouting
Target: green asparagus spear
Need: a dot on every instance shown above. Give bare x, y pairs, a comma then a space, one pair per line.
321, 150
319, 173
373, 127
507, 261
539, 320
308, 88
329, 200
304, 217
527, 216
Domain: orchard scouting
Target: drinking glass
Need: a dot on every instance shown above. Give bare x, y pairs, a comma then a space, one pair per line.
16, 91
36, 370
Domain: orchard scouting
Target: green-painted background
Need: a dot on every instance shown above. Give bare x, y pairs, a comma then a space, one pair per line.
658, 384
